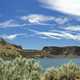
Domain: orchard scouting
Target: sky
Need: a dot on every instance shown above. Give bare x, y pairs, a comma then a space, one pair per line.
34, 24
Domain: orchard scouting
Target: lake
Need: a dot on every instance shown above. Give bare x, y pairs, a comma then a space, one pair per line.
49, 62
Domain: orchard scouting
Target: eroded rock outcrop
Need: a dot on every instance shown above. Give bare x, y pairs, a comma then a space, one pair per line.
67, 50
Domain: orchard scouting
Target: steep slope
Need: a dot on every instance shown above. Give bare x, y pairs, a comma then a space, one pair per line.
65, 51
8, 50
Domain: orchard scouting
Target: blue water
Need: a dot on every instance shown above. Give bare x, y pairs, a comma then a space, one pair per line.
49, 62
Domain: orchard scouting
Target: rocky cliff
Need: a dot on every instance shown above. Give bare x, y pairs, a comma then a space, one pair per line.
65, 51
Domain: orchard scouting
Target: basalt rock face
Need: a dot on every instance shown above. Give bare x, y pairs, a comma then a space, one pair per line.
68, 50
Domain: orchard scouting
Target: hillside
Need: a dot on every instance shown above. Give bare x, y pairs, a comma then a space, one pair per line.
8, 50
63, 51
53, 51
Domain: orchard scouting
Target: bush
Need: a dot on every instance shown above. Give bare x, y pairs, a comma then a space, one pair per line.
20, 69
64, 72
9, 53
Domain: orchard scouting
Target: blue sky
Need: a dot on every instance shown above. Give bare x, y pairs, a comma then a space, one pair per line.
38, 23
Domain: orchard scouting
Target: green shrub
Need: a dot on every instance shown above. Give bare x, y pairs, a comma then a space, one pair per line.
3, 42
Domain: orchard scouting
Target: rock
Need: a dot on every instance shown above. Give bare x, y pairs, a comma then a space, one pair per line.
67, 50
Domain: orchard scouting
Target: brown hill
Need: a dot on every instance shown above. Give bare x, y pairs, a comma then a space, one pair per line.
8, 50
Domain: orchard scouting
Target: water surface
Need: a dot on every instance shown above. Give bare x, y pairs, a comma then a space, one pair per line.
49, 62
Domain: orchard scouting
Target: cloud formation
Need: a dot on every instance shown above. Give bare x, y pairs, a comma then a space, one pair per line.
73, 28
65, 6
11, 36
37, 19
40, 19
10, 23
58, 35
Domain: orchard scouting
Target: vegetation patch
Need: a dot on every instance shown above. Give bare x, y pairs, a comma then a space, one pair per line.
21, 68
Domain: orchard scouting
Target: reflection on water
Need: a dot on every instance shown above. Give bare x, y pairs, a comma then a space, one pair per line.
49, 62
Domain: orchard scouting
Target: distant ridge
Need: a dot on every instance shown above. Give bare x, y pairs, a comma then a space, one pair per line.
64, 51
11, 50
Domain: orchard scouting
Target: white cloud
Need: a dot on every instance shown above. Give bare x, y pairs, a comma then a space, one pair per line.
58, 35
10, 23
43, 19
37, 19
12, 36
61, 20
65, 6
73, 28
